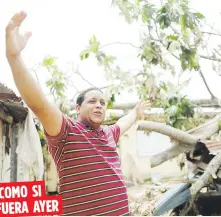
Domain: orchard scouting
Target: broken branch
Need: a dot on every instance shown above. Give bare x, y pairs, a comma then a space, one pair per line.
204, 179
170, 153
173, 133
204, 131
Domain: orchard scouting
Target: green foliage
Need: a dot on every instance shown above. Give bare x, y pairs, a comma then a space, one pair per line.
40, 132
57, 80
174, 16
44, 147
147, 11
169, 35
163, 17
111, 102
92, 48
179, 110
151, 53
189, 59
130, 11
219, 125
113, 72
170, 29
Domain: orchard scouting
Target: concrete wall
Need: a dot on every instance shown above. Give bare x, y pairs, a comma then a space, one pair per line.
136, 149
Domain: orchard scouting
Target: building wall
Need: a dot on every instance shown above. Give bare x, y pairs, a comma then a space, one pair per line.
136, 149
4, 159
23, 172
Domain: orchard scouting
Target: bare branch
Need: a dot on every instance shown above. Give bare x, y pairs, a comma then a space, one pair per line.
206, 84
210, 58
120, 43
211, 33
213, 28
106, 86
83, 78
71, 83
217, 52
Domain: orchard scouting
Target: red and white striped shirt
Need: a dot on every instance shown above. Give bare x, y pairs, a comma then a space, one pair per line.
88, 165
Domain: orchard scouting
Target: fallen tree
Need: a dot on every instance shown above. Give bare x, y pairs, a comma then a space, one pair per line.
185, 142
199, 102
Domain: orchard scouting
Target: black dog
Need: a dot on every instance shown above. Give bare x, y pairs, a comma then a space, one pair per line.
200, 154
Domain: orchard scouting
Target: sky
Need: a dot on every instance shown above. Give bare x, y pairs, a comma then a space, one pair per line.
63, 28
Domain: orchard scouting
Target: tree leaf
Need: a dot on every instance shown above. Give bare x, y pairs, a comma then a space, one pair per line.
172, 37
94, 44
84, 54
49, 61
199, 15
183, 25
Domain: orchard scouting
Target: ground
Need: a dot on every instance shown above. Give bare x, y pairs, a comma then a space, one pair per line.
142, 197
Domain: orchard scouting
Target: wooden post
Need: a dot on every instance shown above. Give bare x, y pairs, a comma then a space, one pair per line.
13, 159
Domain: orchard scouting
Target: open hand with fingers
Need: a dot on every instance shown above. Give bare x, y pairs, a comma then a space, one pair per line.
141, 107
15, 40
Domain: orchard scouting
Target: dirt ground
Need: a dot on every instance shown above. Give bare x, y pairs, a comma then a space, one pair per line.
142, 197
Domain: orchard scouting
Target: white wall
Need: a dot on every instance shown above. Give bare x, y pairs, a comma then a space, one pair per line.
151, 144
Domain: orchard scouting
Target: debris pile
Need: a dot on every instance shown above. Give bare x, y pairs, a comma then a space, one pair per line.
142, 198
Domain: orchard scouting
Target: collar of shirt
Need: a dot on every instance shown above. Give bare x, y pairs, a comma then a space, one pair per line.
86, 125
95, 130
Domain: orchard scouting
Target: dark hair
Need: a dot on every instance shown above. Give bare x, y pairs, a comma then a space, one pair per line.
81, 96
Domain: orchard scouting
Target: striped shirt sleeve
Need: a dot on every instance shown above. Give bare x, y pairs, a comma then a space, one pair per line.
60, 139
115, 130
